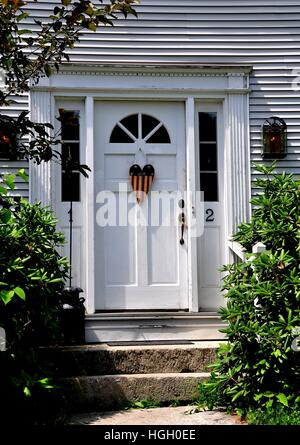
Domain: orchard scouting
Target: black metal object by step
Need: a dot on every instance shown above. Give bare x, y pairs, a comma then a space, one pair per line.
72, 316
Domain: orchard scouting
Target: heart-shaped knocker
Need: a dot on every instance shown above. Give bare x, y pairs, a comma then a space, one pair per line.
141, 180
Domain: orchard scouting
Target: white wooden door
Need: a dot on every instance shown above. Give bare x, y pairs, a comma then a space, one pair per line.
139, 266
210, 180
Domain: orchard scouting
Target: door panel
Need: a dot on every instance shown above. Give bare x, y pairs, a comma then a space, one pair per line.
140, 266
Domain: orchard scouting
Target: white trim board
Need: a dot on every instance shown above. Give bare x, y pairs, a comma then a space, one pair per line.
153, 326
133, 79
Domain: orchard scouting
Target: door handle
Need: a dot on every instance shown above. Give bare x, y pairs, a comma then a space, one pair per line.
182, 224
181, 220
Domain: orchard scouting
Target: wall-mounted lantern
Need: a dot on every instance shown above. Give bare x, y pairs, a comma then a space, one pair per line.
274, 138
8, 137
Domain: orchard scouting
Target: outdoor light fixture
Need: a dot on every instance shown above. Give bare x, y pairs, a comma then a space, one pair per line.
8, 137
274, 138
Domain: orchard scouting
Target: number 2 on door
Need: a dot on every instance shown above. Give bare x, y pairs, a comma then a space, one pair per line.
210, 215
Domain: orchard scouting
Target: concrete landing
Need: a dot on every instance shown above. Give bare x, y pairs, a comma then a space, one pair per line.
157, 416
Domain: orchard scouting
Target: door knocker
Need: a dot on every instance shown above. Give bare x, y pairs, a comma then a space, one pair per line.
141, 180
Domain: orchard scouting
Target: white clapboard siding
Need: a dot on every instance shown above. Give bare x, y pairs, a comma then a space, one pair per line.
261, 33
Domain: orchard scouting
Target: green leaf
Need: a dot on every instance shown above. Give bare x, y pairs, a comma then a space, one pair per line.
24, 31
237, 395
22, 173
6, 296
92, 26
268, 394
56, 10
65, 2
48, 70
27, 391
5, 215
22, 16
3, 190
282, 399
277, 353
10, 181
19, 291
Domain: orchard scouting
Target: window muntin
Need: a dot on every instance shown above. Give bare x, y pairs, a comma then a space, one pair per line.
140, 126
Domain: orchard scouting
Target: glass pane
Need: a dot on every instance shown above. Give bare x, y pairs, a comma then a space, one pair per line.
70, 186
208, 156
69, 124
8, 138
161, 136
209, 185
119, 136
132, 124
208, 127
70, 151
148, 124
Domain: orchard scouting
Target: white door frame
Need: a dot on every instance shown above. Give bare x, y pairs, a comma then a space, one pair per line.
226, 84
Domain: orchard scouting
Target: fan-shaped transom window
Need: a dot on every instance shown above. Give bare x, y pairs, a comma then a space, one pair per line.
140, 126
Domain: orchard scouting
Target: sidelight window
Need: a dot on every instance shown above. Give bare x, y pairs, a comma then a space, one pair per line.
208, 155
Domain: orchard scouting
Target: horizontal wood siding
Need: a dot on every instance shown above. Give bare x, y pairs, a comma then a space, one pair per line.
261, 33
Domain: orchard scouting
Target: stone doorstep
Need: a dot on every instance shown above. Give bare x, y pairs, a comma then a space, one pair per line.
94, 393
92, 360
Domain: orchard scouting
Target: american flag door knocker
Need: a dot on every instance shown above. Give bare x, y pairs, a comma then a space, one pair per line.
141, 180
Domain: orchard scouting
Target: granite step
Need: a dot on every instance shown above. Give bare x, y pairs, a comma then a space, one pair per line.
103, 359
98, 393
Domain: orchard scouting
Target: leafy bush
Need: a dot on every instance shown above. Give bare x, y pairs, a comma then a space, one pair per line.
32, 275
258, 367
31, 270
280, 416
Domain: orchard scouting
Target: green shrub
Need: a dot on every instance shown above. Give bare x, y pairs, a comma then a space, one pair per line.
32, 275
258, 368
280, 416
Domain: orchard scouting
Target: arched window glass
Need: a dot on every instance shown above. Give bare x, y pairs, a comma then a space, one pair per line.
140, 126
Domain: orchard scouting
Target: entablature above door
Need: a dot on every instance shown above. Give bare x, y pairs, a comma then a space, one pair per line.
181, 79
